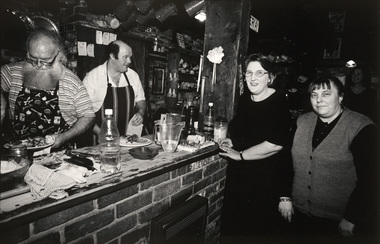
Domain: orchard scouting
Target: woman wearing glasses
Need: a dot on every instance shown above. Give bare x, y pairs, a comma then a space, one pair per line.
44, 97
258, 182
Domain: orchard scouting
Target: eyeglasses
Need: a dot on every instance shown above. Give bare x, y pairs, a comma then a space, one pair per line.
258, 73
40, 64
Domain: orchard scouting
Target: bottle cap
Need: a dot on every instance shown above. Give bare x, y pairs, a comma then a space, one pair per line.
108, 112
211, 104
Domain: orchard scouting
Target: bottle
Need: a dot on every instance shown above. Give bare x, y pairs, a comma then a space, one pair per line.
208, 122
109, 139
196, 128
155, 46
191, 121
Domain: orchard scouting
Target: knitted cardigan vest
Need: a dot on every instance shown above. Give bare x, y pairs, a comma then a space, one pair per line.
325, 178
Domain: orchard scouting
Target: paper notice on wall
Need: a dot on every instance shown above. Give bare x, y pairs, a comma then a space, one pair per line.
82, 48
254, 24
180, 40
99, 37
90, 50
106, 38
113, 37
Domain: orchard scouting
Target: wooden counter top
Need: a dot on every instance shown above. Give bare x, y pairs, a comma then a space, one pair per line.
24, 208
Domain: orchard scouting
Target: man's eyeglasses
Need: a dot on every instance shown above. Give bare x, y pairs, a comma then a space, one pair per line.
258, 73
40, 64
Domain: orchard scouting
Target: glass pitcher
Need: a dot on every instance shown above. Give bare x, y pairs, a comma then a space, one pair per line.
168, 135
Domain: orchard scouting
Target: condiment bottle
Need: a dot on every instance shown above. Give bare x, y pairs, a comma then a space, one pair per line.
208, 122
191, 120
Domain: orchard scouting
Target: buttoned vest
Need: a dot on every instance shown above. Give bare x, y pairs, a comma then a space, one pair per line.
325, 178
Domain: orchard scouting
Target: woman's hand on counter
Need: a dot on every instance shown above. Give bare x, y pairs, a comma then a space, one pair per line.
225, 143
231, 153
226, 146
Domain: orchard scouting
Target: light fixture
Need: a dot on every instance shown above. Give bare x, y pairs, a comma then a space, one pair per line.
143, 6
201, 16
112, 21
193, 7
166, 11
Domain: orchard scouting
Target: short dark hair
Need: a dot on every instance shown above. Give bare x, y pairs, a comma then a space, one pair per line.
268, 64
323, 80
113, 48
366, 81
265, 61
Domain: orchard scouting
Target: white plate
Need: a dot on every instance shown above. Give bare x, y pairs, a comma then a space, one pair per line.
141, 141
6, 145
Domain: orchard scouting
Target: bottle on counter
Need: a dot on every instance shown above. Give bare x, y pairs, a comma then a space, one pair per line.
109, 139
196, 127
191, 120
208, 122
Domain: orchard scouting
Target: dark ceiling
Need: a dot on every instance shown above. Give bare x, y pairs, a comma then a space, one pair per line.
284, 24
277, 17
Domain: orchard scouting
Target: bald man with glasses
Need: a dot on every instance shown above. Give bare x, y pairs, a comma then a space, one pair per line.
43, 96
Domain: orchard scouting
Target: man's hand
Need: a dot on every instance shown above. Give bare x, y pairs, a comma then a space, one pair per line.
79, 127
137, 119
346, 228
58, 140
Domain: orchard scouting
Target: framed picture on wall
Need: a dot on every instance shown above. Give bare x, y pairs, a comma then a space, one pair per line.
158, 81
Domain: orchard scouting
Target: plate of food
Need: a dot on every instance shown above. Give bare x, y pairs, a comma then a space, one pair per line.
134, 141
33, 144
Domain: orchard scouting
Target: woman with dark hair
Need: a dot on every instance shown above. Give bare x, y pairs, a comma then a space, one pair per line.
335, 169
258, 181
359, 96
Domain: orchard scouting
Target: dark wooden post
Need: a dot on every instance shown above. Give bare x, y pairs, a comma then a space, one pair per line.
227, 25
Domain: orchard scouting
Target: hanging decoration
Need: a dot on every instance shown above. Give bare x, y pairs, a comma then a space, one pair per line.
215, 56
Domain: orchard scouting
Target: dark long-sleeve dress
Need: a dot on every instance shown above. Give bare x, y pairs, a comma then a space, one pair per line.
253, 187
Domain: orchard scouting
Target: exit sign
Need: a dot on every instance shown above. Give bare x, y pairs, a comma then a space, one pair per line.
254, 24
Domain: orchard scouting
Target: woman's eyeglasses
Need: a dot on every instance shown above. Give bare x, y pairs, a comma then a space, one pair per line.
41, 64
258, 73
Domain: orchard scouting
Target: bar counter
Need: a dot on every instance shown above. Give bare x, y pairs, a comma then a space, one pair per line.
119, 206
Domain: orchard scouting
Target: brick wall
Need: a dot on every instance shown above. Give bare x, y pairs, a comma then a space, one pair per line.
124, 216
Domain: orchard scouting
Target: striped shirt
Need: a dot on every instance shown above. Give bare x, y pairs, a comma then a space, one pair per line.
74, 101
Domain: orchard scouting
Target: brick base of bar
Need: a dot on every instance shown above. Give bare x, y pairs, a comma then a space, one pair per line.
124, 216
